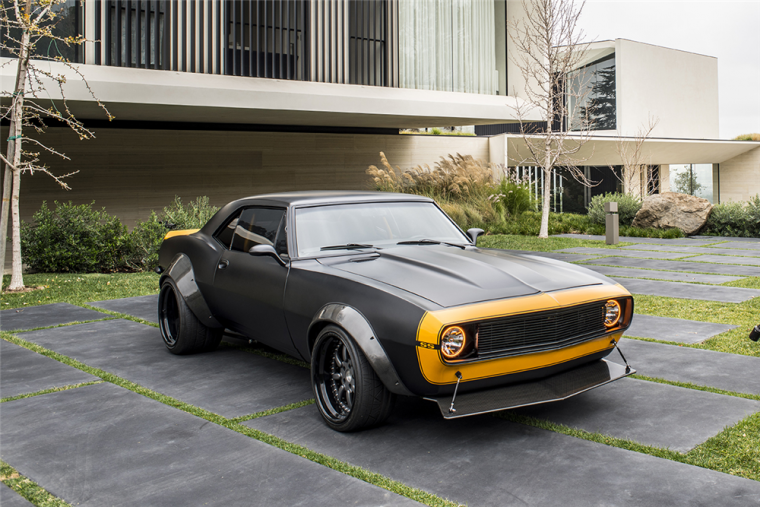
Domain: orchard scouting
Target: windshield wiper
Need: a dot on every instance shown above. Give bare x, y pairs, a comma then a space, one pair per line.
347, 246
430, 242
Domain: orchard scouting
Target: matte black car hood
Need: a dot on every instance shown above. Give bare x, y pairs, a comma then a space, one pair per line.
450, 276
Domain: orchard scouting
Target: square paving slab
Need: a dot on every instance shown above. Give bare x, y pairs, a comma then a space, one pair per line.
727, 259
142, 307
693, 250
688, 290
748, 244
674, 330
104, 445
654, 414
661, 241
46, 315
227, 381
9, 498
701, 267
731, 372
23, 371
625, 253
485, 460
728, 238
662, 275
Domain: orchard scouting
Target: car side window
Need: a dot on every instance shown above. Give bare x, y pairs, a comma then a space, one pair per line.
224, 235
281, 243
256, 226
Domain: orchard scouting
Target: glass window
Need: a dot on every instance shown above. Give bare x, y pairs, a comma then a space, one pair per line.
376, 224
224, 235
692, 179
591, 96
256, 226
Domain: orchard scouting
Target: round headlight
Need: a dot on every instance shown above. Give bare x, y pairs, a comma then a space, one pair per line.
611, 313
452, 342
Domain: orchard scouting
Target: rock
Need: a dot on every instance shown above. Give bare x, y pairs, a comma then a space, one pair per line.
669, 209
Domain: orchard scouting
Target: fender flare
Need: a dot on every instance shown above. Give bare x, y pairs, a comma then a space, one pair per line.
361, 331
180, 270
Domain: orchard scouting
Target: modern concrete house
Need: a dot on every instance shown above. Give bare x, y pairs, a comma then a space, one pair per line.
228, 98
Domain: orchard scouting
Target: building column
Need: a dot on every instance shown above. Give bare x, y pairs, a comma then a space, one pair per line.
497, 155
664, 178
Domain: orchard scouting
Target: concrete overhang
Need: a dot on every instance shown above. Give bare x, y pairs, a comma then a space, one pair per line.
605, 151
157, 95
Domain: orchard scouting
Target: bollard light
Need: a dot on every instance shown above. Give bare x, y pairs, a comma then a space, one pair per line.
612, 223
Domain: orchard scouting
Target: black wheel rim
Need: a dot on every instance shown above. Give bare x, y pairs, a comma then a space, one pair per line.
335, 379
168, 315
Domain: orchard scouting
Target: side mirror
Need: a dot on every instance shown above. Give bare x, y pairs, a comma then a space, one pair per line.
474, 234
266, 250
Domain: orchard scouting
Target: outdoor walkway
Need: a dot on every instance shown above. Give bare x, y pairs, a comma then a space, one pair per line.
243, 409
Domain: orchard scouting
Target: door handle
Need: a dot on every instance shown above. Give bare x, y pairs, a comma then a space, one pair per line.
223, 264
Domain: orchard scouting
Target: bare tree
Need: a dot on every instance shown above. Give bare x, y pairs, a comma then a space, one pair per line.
635, 173
27, 25
549, 51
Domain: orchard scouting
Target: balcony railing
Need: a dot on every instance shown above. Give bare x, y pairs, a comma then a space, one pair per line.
334, 41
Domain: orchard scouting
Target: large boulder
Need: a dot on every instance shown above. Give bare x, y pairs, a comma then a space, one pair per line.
663, 211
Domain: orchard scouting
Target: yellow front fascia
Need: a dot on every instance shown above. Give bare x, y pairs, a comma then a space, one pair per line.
436, 371
183, 232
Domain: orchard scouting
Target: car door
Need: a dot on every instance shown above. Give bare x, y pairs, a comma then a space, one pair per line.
249, 289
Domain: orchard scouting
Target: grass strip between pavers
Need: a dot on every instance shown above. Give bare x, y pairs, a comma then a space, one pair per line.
28, 489
272, 411
328, 461
48, 391
65, 324
696, 387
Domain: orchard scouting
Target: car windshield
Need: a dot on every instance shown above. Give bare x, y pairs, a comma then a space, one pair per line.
366, 225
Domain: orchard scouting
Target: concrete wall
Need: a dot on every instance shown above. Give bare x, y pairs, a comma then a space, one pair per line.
132, 172
677, 87
740, 177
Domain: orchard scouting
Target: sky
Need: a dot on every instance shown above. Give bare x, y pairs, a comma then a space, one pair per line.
728, 30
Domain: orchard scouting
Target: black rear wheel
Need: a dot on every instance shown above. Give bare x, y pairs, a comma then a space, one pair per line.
181, 330
350, 395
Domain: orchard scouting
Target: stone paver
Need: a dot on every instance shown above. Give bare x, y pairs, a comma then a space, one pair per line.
109, 446
697, 267
662, 275
9, 498
142, 307
731, 372
227, 381
485, 460
626, 239
674, 330
693, 250
553, 255
748, 244
46, 315
619, 252
727, 259
728, 238
649, 413
688, 290
23, 371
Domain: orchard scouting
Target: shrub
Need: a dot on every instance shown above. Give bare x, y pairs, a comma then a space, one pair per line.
747, 137
512, 196
192, 215
73, 238
144, 243
628, 206
740, 219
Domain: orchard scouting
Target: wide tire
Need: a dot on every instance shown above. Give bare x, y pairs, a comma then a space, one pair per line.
181, 330
350, 396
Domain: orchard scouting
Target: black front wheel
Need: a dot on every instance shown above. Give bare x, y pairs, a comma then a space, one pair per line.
349, 394
181, 330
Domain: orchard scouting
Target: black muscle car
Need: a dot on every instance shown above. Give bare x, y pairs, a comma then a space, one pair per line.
384, 295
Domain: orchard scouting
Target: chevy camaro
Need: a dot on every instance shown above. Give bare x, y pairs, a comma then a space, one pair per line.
385, 296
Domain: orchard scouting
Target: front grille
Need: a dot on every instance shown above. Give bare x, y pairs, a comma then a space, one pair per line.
540, 331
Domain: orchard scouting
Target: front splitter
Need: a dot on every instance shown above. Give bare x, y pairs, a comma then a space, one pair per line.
555, 388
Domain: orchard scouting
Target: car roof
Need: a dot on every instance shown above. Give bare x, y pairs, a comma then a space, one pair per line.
314, 197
